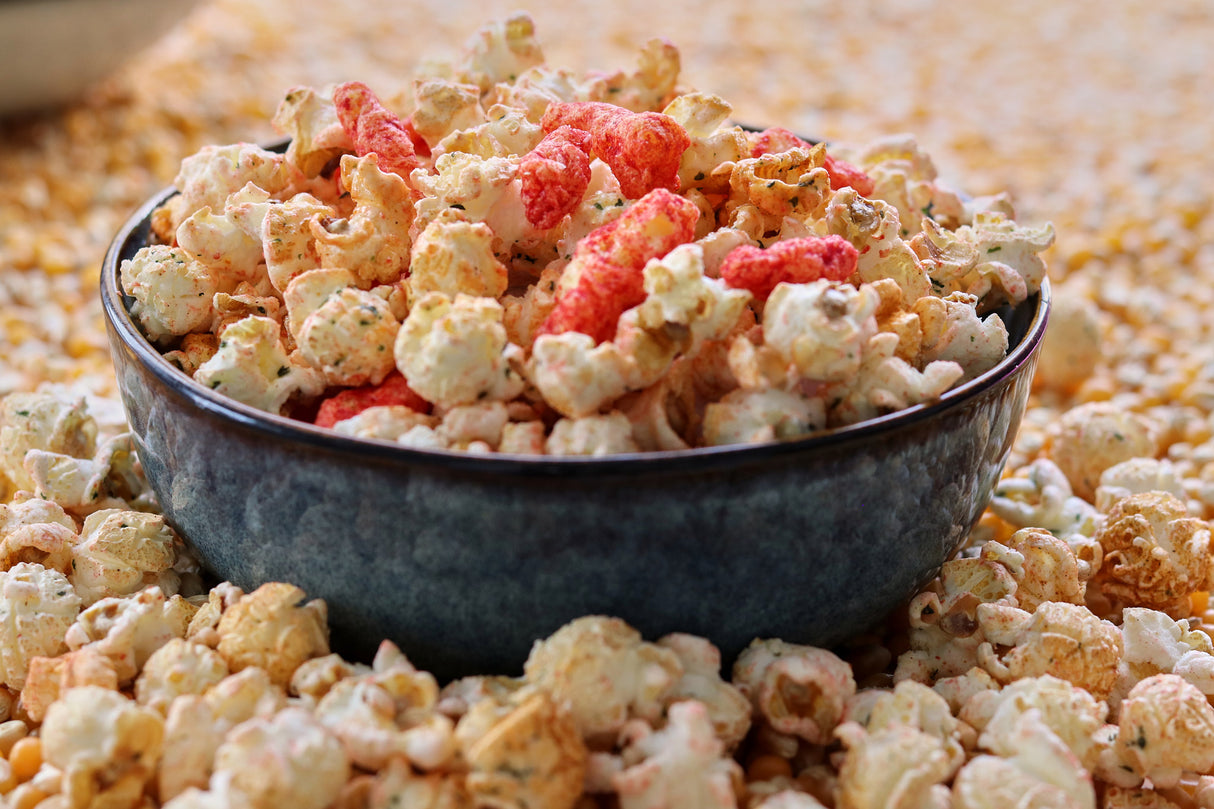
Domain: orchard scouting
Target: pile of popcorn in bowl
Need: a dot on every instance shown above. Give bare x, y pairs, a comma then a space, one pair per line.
1062, 660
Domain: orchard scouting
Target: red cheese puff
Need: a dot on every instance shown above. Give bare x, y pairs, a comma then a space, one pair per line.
374, 128
352, 401
643, 149
610, 264
795, 261
554, 175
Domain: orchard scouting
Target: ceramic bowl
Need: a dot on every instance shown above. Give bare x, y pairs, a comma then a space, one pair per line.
465, 560
52, 50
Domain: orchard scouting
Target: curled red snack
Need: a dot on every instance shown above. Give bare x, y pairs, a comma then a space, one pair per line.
554, 175
610, 263
795, 261
643, 149
394, 390
842, 174
374, 128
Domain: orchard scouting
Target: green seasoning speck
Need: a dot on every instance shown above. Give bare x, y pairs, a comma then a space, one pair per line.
994, 249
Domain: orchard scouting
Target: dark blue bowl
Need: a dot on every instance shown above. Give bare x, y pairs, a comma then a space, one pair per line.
464, 560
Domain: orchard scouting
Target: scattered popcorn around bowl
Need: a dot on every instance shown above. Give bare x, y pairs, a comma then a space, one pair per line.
562, 250
71, 734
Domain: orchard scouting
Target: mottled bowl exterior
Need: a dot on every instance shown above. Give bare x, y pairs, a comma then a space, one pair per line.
465, 560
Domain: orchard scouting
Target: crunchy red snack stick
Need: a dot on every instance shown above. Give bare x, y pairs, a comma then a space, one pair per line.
554, 176
394, 390
796, 261
842, 174
642, 148
609, 264
374, 128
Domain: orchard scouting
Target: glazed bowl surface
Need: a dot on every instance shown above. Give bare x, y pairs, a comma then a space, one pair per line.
465, 560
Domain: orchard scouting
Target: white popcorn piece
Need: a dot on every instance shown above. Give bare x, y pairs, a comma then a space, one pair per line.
176, 668
39, 421
1043, 566
251, 366
787, 183
1061, 639
273, 629
120, 552
106, 745
596, 435
602, 669
1008, 259
886, 383
894, 767
647, 88
1165, 729
728, 708
873, 227
797, 690
506, 132
37, 607
37, 531
575, 376
373, 241
172, 291
455, 352
453, 256
1138, 476
681, 766
228, 239
388, 423
755, 416
531, 754
316, 135
819, 329
209, 176
953, 331
308, 291
1071, 713
129, 630
1155, 554
1157, 644
286, 759
1039, 495
914, 705
350, 338
287, 241
1094, 436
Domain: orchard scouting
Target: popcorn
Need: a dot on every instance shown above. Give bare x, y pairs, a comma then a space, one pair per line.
271, 629
252, 367
1050, 641
531, 756
37, 606
1166, 728
373, 241
608, 434
172, 291
1044, 567
500, 51
605, 673
129, 630
728, 708
122, 552
105, 744
208, 177
317, 137
455, 351
798, 690
286, 758
349, 338
442, 107
176, 668
1154, 553
1091, 437
896, 766
454, 256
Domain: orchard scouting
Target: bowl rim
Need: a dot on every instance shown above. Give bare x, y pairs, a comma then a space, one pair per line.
282, 427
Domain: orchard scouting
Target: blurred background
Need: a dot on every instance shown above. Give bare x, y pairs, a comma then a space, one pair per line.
1094, 115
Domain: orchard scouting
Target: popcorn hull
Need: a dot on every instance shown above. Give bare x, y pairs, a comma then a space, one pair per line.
465, 560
